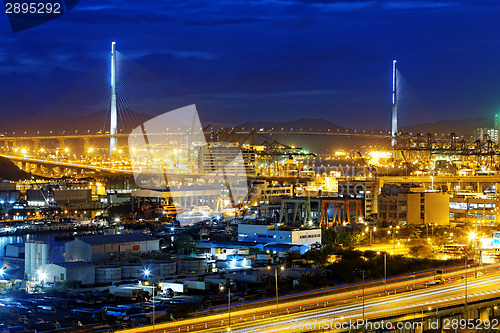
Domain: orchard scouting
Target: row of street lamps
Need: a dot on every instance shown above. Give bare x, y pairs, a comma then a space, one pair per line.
222, 287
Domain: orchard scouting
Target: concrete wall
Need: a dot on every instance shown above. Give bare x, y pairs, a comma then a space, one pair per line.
413, 209
437, 208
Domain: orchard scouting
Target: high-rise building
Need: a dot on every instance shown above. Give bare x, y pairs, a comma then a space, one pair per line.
483, 133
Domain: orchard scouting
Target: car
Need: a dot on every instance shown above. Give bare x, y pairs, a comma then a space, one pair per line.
134, 320
46, 309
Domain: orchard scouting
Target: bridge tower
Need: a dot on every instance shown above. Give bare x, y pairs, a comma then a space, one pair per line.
394, 129
113, 120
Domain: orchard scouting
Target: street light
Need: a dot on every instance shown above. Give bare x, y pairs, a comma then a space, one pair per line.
370, 231
229, 305
147, 273
393, 235
282, 268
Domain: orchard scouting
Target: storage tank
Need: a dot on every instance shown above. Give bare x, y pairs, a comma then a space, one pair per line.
194, 266
167, 269
132, 272
36, 254
108, 274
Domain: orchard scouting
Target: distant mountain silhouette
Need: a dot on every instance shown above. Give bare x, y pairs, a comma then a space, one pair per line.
305, 124
128, 120
459, 127
9, 171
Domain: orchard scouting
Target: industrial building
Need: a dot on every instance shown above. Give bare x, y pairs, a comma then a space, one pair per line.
324, 212
258, 233
80, 271
36, 255
95, 248
15, 250
474, 208
271, 192
228, 156
8, 193
63, 196
282, 249
407, 205
363, 189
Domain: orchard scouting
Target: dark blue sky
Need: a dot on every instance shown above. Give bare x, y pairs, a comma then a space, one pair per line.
268, 59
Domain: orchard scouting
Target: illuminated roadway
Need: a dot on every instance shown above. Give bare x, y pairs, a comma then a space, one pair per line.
64, 164
129, 171
342, 307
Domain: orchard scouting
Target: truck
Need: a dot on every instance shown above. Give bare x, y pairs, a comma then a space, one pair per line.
176, 287
439, 278
130, 293
198, 285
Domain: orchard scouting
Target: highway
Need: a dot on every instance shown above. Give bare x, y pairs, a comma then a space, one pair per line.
340, 308
412, 304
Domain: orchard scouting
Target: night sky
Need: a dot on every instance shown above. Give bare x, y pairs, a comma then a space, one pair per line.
252, 60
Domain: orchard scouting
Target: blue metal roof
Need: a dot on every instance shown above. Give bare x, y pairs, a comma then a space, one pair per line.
116, 239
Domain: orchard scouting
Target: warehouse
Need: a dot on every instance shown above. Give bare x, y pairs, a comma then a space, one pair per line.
95, 248
80, 271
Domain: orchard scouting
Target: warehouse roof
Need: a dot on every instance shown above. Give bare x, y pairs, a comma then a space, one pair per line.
116, 239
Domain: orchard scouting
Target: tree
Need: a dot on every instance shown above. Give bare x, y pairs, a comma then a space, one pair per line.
184, 245
328, 236
349, 238
291, 256
413, 232
421, 249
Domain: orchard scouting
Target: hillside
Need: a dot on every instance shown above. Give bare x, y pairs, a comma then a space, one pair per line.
9, 171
